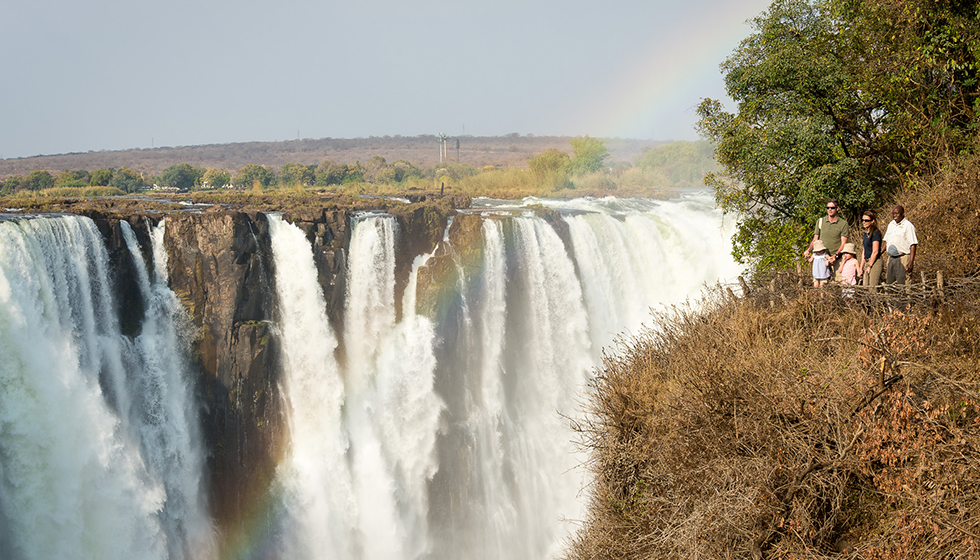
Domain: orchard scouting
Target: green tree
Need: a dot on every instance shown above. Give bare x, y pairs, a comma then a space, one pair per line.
253, 174
919, 59
370, 170
101, 177
353, 174
37, 180
215, 178
127, 180
846, 99
802, 133
588, 155
397, 172
182, 176
72, 178
548, 161
12, 184
330, 173
296, 174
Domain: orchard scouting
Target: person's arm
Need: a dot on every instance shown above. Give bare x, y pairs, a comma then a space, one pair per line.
809, 248
911, 264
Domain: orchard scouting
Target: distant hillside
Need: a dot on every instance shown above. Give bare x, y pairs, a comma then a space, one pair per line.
421, 151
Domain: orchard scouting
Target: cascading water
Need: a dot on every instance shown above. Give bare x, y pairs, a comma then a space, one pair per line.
98, 454
361, 432
437, 435
450, 433
165, 415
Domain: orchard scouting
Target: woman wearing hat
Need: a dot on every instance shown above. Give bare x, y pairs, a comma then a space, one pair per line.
821, 266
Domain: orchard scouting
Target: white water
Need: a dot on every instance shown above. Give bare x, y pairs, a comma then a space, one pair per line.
450, 433
86, 474
436, 437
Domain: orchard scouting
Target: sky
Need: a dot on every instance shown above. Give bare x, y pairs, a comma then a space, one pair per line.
81, 75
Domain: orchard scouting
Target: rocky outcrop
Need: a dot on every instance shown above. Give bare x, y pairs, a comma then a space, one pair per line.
219, 270
220, 265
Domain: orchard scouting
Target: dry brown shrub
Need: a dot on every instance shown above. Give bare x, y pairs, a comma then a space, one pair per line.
946, 213
816, 428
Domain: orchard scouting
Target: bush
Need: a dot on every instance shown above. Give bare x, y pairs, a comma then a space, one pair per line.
945, 210
754, 428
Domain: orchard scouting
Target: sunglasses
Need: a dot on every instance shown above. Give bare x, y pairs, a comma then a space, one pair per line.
866, 220
831, 208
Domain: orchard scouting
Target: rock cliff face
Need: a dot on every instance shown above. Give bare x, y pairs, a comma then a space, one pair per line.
221, 267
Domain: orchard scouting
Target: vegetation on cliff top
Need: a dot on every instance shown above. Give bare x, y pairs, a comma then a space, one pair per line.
814, 428
658, 171
796, 423
866, 102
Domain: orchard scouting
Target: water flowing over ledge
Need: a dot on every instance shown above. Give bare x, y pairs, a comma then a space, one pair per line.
400, 419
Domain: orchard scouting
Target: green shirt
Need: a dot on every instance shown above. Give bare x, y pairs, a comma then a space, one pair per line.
830, 233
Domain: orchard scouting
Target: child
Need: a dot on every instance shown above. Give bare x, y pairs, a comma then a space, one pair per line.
821, 268
848, 267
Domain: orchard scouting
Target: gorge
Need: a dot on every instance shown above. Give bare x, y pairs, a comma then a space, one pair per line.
319, 383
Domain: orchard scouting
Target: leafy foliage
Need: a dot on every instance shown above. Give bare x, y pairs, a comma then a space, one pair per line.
181, 176
252, 175
38, 180
845, 99
548, 161
588, 155
296, 174
127, 180
72, 178
101, 177
215, 178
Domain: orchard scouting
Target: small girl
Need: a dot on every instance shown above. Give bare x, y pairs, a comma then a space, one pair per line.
849, 268
821, 268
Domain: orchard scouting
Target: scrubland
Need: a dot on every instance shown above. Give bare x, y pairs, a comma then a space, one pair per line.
798, 423
789, 423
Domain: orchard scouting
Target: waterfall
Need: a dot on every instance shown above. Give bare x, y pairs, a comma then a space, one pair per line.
447, 436
99, 451
165, 414
436, 434
362, 432
72, 482
316, 477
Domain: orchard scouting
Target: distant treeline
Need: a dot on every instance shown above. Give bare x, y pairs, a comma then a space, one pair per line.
670, 166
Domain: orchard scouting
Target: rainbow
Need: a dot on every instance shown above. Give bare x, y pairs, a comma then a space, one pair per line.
675, 70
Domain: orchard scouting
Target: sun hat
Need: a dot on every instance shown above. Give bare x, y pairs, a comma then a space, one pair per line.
849, 248
819, 246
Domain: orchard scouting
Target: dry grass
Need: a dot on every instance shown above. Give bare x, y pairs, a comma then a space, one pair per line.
946, 212
789, 424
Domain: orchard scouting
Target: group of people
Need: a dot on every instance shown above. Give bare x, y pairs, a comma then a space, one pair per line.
835, 258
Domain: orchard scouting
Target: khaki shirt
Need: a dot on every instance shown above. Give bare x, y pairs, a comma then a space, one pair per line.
831, 233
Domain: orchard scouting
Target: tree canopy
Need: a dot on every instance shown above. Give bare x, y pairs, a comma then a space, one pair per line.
182, 176
253, 174
127, 180
842, 99
588, 155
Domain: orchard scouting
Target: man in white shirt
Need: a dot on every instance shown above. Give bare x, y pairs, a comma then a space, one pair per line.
900, 243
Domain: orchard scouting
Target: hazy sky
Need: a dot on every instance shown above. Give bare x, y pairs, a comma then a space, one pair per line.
86, 75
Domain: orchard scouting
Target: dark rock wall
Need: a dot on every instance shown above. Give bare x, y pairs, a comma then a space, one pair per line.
221, 267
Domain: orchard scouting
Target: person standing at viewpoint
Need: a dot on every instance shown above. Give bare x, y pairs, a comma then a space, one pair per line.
833, 231
873, 254
900, 243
